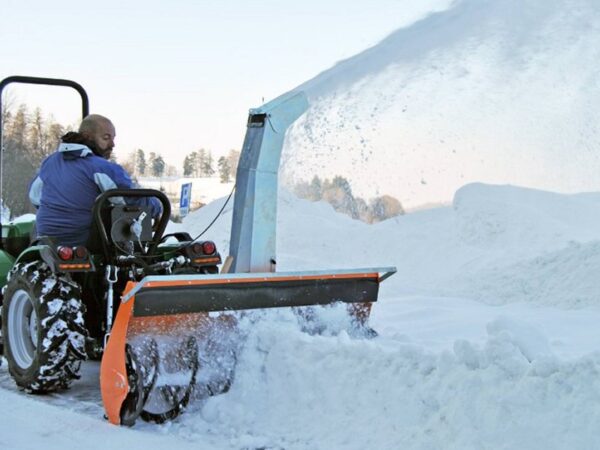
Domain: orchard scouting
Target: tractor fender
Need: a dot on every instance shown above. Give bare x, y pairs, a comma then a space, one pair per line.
46, 250
38, 252
6, 264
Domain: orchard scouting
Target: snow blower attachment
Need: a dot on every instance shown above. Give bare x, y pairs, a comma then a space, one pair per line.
167, 323
194, 308
197, 315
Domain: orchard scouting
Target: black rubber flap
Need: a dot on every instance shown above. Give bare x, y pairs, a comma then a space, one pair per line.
164, 300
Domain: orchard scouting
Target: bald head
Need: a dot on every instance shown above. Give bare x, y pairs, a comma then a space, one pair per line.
100, 132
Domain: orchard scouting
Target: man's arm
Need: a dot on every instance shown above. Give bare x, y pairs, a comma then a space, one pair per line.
35, 191
119, 178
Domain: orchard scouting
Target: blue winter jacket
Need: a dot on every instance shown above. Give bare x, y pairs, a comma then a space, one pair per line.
66, 187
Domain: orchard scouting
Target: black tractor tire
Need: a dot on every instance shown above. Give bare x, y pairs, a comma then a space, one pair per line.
43, 328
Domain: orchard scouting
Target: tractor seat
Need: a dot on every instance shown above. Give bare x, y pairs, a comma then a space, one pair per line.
117, 220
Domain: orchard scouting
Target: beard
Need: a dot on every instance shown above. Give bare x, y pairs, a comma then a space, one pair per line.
73, 137
96, 149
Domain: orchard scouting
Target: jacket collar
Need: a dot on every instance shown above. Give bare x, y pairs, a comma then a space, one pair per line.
72, 151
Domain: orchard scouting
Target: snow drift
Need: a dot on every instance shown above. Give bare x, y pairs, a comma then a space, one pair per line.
524, 379
495, 244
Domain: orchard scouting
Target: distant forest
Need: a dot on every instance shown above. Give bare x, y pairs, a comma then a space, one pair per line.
28, 137
199, 163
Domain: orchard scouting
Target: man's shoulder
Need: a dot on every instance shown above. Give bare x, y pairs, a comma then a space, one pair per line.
105, 164
118, 168
115, 171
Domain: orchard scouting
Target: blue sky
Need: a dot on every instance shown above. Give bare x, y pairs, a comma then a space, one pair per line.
177, 76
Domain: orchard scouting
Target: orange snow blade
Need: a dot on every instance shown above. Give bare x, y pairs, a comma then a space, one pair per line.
179, 305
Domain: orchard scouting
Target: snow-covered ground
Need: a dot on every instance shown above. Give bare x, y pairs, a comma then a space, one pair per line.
488, 333
488, 339
204, 189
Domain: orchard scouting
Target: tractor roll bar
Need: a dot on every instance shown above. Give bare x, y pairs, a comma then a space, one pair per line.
85, 105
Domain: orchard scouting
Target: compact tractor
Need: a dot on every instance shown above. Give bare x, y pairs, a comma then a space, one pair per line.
152, 305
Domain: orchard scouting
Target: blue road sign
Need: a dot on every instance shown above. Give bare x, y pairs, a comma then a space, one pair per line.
186, 197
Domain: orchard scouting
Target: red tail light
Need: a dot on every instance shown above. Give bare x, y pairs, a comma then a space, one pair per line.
208, 247
65, 253
81, 252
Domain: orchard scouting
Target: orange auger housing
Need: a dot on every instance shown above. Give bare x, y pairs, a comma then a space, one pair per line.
180, 305
113, 373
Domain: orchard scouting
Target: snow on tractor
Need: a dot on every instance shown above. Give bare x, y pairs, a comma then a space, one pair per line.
155, 306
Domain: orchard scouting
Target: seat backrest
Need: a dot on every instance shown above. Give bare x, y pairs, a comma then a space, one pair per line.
94, 244
117, 220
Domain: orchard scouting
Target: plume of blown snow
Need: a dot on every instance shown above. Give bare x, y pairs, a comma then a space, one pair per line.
490, 91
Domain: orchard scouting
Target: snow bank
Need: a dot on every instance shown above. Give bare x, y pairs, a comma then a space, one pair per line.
444, 373
495, 244
295, 391
494, 217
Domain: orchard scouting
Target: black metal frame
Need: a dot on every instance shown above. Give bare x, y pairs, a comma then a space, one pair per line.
258, 294
85, 104
160, 227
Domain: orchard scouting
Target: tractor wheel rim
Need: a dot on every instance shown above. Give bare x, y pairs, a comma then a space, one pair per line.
22, 332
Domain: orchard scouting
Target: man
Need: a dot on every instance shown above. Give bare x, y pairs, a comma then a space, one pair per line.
70, 179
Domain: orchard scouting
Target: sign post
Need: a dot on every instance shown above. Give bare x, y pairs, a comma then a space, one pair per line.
184, 202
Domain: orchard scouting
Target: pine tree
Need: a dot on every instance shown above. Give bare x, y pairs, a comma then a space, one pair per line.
54, 131
234, 158
17, 128
224, 169
158, 166
140, 162
36, 136
200, 162
16, 156
150, 162
207, 167
28, 139
315, 190
188, 167
348, 203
